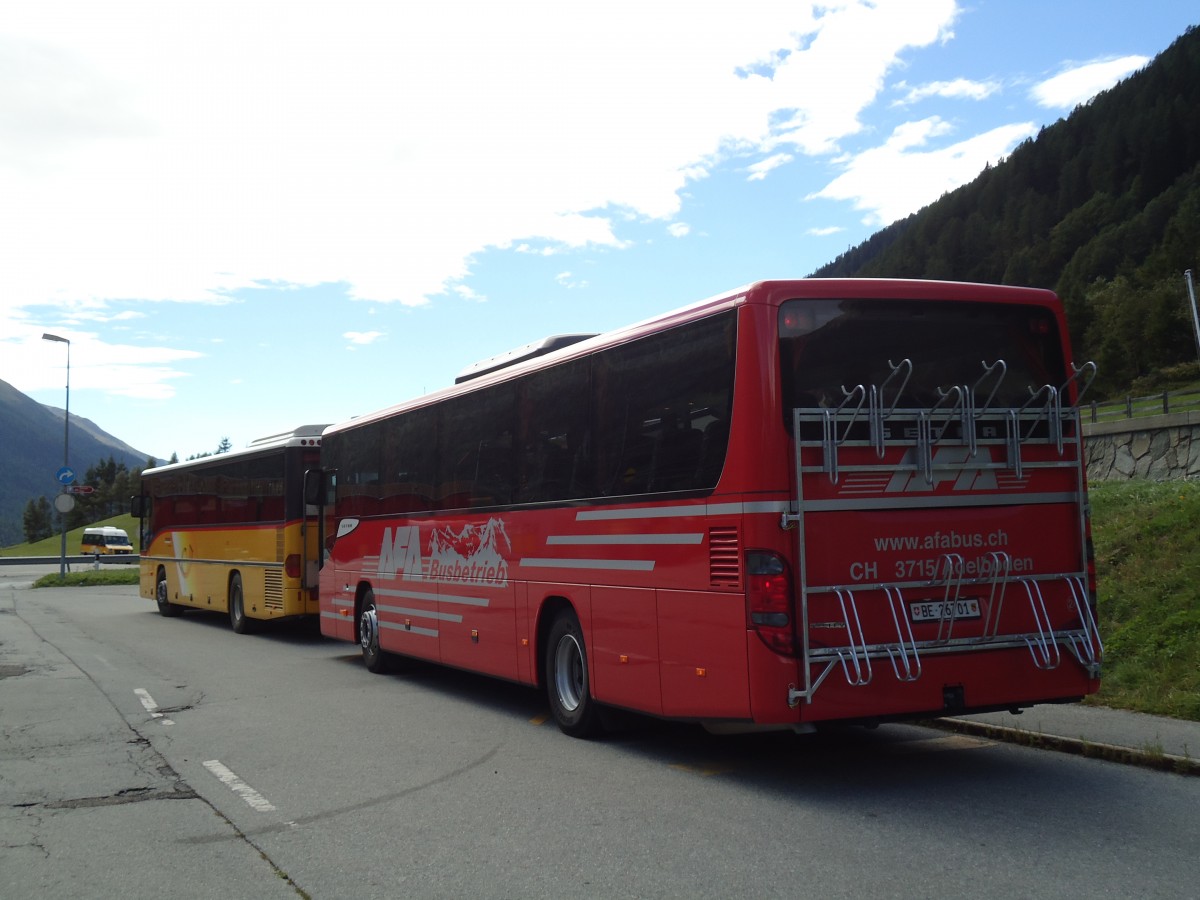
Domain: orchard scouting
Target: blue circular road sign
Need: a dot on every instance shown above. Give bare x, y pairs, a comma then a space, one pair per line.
65, 475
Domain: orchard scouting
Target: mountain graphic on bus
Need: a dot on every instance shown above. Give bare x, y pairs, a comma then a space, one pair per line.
475, 555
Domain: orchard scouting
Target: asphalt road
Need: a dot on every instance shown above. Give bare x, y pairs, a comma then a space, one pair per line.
144, 757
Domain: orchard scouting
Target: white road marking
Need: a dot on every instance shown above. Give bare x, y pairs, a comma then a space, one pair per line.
253, 798
151, 706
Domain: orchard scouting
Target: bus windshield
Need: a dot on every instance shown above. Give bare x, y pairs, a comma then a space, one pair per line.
827, 347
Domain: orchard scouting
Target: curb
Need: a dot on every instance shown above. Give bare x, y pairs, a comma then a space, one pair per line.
1129, 756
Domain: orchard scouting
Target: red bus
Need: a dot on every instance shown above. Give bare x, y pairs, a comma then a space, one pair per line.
799, 502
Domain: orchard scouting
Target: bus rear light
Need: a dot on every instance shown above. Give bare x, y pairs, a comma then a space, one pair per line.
770, 601
291, 565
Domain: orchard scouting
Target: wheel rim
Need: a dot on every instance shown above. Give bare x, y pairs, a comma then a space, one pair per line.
368, 630
236, 605
569, 676
160, 593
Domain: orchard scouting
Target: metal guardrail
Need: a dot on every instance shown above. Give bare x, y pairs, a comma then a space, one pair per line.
88, 560
1138, 407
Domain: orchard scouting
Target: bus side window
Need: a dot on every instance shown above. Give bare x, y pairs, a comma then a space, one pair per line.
475, 444
676, 455
651, 396
553, 452
713, 445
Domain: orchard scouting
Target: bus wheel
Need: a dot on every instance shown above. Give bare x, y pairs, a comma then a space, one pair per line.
567, 684
242, 624
375, 659
161, 595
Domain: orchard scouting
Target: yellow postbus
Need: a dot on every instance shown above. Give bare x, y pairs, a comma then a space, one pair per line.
104, 541
230, 533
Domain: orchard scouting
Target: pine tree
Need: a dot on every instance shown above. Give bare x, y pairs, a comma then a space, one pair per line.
38, 521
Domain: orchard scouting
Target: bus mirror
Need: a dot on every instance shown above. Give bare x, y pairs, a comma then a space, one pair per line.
314, 487
137, 506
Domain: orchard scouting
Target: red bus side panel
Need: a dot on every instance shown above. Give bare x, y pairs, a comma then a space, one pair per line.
703, 641
624, 648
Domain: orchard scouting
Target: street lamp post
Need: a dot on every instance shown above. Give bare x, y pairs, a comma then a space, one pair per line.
1187, 278
62, 517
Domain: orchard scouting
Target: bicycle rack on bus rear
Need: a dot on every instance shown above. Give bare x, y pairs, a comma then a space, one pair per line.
931, 427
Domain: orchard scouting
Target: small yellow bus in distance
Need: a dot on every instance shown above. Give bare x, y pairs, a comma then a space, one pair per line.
104, 540
231, 533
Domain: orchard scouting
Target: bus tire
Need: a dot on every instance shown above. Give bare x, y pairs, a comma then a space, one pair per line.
238, 620
568, 687
375, 659
162, 596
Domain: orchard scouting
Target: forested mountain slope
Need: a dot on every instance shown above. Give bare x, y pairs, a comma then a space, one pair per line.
31, 452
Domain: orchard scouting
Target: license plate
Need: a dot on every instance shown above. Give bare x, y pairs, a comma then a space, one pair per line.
932, 610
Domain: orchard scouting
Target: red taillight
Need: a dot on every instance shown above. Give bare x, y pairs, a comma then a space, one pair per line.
291, 566
769, 601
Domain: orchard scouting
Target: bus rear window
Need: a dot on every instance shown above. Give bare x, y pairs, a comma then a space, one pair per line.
827, 347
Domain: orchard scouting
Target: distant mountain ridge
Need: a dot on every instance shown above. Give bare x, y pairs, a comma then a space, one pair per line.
31, 451
99, 434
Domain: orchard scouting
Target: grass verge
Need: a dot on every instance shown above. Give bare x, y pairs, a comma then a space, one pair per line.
1147, 538
90, 578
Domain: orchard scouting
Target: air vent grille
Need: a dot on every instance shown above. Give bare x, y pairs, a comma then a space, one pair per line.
273, 589
724, 557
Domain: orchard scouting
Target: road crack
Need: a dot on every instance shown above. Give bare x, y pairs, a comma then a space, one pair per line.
122, 797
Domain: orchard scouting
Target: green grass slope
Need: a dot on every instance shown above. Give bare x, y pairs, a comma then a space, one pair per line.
1147, 538
52, 546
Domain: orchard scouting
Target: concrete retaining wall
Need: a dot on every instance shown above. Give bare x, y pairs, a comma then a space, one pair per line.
1157, 448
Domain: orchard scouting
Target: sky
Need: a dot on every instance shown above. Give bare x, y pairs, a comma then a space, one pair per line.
249, 216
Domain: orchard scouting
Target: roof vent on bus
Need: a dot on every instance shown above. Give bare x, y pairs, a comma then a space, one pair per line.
520, 354
305, 435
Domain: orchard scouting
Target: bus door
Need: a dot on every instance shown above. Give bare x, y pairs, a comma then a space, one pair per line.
312, 529
930, 536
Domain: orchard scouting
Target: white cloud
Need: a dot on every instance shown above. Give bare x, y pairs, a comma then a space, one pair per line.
362, 338
568, 280
467, 293
126, 370
848, 59
901, 176
824, 232
759, 170
343, 144
79, 314
385, 146
958, 89
1074, 86
679, 229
